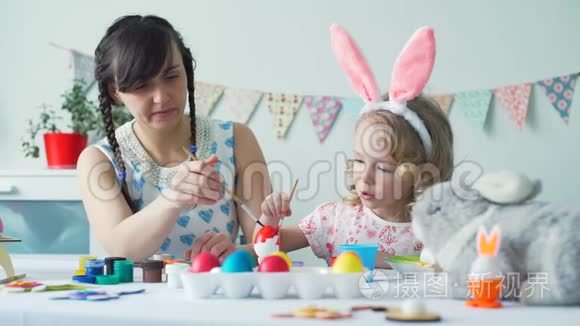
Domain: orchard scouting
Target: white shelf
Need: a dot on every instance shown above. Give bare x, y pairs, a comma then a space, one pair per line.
39, 173
39, 185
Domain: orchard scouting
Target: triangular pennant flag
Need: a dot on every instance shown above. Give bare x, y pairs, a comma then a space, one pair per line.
475, 105
323, 112
515, 100
83, 68
206, 97
241, 103
560, 91
283, 108
444, 102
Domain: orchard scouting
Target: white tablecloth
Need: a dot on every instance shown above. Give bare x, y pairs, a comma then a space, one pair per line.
163, 306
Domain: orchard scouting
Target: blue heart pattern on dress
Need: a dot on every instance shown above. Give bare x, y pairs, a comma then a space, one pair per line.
230, 227
138, 203
225, 208
226, 125
183, 220
206, 215
187, 239
138, 183
165, 245
230, 142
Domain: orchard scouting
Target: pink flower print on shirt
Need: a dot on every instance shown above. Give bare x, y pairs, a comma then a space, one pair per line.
310, 227
371, 233
330, 231
385, 230
390, 239
330, 248
418, 247
324, 218
328, 205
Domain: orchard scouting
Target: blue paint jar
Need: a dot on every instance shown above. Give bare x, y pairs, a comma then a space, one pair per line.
95, 267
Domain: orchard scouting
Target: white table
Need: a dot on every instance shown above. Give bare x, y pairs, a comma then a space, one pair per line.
163, 306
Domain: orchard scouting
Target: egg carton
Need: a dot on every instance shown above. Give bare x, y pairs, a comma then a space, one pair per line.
307, 282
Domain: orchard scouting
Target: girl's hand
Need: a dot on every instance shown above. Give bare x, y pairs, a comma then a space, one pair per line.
275, 207
196, 182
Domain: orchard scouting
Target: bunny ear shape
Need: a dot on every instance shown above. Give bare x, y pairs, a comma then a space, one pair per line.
488, 244
413, 66
353, 64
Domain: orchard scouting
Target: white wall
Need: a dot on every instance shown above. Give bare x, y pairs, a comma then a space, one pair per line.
284, 46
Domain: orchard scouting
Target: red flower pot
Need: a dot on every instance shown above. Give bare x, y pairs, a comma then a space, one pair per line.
63, 149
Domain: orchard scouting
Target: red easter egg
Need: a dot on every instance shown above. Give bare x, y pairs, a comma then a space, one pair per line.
273, 264
266, 233
204, 262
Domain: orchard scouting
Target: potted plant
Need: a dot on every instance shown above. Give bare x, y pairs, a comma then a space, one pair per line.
63, 148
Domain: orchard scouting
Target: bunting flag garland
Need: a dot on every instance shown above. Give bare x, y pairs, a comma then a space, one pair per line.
515, 100
444, 102
560, 91
475, 105
206, 97
323, 112
283, 108
241, 103
83, 68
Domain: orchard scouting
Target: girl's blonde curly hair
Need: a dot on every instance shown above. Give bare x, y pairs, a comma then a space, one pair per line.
407, 149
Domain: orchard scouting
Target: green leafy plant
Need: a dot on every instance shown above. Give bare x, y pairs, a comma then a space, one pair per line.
83, 112
84, 118
47, 121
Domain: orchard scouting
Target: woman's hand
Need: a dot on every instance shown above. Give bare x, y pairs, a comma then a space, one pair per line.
196, 182
217, 244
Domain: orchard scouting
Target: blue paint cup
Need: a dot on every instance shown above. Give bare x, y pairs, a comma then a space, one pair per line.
366, 252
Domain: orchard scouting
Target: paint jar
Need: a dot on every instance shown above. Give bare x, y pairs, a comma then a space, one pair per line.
110, 264
124, 269
95, 267
83, 265
152, 271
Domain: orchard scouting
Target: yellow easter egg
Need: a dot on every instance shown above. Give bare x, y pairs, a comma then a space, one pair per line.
284, 256
347, 262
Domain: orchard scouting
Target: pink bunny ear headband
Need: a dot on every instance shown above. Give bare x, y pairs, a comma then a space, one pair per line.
410, 74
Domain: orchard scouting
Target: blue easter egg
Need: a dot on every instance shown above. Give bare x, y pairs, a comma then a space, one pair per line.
237, 262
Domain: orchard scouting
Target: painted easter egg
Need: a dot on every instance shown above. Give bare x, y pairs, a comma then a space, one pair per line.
204, 262
265, 233
237, 262
267, 241
284, 256
273, 264
347, 262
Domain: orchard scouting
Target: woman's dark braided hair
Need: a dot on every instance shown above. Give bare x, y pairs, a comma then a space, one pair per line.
135, 49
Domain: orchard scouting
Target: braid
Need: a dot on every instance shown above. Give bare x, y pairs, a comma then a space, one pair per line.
188, 62
106, 108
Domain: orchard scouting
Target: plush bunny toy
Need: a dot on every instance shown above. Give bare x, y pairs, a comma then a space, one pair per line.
540, 244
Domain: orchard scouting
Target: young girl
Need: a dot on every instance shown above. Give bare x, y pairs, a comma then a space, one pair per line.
166, 204
403, 143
